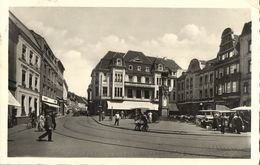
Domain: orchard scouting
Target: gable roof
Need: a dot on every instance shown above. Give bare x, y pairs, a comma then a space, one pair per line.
132, 56
23, 29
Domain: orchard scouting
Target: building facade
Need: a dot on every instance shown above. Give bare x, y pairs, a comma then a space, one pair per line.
24, 69
131, 79
245, 65
52, 78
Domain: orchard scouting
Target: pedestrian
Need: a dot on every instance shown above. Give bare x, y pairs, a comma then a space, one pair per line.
103, 115
222, 123
33, 117
117, 117
239, 123
144, 118
41, 122
122, 114
53, 116
48, 128
150, 117
215, 123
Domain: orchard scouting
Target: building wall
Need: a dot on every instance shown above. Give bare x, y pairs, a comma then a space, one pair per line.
27, 88
245, 65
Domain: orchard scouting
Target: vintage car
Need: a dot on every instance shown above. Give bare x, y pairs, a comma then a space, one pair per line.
204, 118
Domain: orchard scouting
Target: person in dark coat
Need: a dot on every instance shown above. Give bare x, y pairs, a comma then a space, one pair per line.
239, 123
48, 128
53, 116
222, 123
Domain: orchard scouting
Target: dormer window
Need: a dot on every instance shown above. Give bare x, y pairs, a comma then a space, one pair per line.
139, 68
118, 62
160, 67
130, 67
147, 69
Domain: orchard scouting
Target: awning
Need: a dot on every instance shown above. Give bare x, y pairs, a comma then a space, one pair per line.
52, 105
129, 105
173, 107
222, 107
243, 108
12, 101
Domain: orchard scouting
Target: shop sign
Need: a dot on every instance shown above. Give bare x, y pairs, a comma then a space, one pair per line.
49, 100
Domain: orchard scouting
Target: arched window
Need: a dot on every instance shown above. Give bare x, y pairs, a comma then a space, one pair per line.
118, 62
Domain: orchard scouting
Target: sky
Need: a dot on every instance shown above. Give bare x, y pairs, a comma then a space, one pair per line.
81, 36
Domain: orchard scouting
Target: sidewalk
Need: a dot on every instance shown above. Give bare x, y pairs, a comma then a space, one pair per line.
167, 127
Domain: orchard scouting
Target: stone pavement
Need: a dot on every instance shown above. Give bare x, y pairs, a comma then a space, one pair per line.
167, 127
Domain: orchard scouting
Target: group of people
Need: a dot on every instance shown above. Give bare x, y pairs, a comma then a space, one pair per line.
47, 123
234, 123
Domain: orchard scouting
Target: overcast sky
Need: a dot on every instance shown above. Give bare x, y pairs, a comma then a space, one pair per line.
80, 37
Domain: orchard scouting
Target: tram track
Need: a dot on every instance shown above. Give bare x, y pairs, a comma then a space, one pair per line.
94, 139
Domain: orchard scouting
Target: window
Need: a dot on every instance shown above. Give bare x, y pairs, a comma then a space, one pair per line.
147, 80
206, 79
31, 56
191, 82
35, 104
118, 92
36, 61
30, 101
118, 62
30, 81
147, 69
157, 94
200, 81
200, 94
173, 96
105, 91
138, 93
227, 70
174, 83
130, 78
139, 79
206, 93
129, 93
139, 68
96, 91
231, 54
24, 52
245, 88
23, 78
23, 105
228, 90
234, 86
169, 83
249, 66
146, 94
219, 89
211, 92
118, 77
36, 83
130, 67
234, 68
160, 67
211, 77
249, 46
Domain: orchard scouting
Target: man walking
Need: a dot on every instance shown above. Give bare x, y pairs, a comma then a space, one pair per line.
117, 116
48, 128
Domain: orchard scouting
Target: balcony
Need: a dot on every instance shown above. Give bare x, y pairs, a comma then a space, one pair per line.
136, 84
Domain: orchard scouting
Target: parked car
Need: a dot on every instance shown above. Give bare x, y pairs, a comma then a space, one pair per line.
204, 118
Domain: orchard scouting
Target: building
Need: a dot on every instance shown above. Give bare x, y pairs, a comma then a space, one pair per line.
227, 70
52, 71
125, 81
65, 96
24, 68
245, 65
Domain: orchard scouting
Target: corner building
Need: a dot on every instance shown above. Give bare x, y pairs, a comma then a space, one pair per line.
125, 81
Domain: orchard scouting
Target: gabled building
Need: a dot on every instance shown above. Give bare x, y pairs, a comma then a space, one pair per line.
24, 69
130, 79
227, 70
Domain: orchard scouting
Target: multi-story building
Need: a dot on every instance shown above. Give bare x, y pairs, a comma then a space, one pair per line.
227, 70
65, 96
131, 80
52, 78
24, 68
245, 65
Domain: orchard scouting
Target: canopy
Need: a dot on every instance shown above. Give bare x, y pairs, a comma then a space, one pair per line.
222, 107
52, 105
173, 107
129, 105
12, 101
245, 108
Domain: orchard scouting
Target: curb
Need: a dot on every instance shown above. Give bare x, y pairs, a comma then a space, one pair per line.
175, 133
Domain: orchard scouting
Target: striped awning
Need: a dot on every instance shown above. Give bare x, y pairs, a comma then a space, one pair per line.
12, 101
129, 105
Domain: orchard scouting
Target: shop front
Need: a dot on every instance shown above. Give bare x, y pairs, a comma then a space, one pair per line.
49, 105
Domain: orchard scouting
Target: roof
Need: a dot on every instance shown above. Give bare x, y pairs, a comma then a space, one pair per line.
247, 28
135, 56
23, 29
